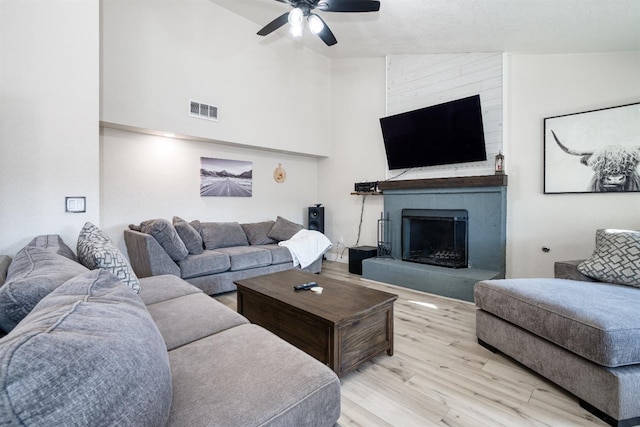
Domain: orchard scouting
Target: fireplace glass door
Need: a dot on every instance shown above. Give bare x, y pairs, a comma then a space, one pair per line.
435, 237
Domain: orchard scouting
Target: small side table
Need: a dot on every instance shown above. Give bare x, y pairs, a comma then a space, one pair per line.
357, 254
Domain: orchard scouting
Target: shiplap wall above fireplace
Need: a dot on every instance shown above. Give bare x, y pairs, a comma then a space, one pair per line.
417, 81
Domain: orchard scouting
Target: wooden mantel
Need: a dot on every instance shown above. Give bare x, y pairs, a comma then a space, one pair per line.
464, 181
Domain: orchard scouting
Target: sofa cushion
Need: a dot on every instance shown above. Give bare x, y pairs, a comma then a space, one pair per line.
616, 258
95, 250
208, 262
288, 387
189, 235
257, 232
165, 233
55, 244
222, 235
283, 229
5, 261
279, 254
598, 321
245, 257
176, 321
155, 289
34, 273
88, 354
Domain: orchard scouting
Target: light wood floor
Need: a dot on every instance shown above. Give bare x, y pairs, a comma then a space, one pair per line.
440, 376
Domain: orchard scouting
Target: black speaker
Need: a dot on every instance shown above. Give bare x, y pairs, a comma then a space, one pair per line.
359, 254
316, 218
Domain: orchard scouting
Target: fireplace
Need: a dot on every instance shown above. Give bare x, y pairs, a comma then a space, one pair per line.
435, 237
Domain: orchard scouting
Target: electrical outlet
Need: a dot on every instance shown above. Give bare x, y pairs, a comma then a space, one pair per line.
341, 241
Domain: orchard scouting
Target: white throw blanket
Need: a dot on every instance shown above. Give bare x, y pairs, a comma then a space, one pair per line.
306, 246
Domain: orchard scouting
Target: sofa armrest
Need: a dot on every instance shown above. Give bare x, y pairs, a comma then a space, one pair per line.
569, 270
147, 256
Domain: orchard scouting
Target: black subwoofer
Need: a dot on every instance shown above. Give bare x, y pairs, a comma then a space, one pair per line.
316, 218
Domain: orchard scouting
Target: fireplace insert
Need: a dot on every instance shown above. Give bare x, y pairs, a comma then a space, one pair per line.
435, 237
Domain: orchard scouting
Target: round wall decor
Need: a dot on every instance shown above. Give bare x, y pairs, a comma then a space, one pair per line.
279, 174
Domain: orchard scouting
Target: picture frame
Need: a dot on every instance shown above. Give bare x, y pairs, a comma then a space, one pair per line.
596, 151
225, 178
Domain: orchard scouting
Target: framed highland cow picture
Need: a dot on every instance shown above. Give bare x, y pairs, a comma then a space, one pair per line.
594, 151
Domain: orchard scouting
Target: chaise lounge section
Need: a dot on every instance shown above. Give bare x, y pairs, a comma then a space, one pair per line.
584, 335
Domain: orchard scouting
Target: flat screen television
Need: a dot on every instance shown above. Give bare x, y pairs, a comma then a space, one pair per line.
442, 134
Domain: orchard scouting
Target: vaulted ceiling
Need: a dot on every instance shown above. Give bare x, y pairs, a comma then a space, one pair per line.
454, 26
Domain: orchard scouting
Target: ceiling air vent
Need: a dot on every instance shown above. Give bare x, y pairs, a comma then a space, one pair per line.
203, 111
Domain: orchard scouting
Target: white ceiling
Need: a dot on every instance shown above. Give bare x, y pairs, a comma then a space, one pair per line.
455, 26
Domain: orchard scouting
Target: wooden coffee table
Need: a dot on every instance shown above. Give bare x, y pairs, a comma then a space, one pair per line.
342, 327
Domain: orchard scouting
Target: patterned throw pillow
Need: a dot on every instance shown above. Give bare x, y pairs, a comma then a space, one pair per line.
95, 250
616, 258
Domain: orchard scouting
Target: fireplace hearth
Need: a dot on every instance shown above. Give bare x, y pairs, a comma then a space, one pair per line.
435, 237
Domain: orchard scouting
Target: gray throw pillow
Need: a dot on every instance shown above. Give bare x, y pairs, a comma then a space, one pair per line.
283, 229
616, 258
166, 235
197, 225
257, 232
222, 235
189, 235
34, 273
95, 250
88, 354
55, 244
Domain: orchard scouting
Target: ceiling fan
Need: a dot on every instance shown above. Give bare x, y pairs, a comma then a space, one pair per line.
303, 9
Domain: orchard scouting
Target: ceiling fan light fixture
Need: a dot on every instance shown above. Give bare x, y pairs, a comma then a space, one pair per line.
296, 30
315, 23
302, 9
296, 17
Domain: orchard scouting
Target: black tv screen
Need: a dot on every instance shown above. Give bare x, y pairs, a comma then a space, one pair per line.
442, 134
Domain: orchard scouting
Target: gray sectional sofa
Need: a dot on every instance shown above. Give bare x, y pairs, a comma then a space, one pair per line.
102, 347
211, 255
580, 330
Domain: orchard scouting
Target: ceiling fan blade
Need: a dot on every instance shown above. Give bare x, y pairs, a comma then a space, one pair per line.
326, 34
274, 25
348, 5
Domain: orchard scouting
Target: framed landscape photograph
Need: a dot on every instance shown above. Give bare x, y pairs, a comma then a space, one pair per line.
593, 152
225, 178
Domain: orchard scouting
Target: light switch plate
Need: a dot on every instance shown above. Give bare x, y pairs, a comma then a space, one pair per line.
76, 204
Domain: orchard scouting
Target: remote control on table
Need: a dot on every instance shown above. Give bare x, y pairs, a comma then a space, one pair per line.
305, 286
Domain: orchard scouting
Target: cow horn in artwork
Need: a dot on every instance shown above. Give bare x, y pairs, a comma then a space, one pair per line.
585, 155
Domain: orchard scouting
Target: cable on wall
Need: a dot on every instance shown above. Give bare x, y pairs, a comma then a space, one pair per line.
364, 197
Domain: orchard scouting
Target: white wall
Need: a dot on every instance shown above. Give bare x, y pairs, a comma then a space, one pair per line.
273, 98
271, 92
145, 177
357, 152
49, 100
542, 86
